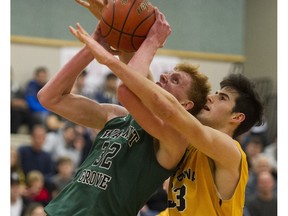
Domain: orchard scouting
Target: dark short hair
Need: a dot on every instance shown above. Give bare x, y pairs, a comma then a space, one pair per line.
248, 102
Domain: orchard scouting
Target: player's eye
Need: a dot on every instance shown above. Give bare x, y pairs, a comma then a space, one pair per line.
221, 97
175, 80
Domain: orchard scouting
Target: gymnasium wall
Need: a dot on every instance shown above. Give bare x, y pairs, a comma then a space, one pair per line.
261, 40
25, 58
214, 26
223, 31
39, 30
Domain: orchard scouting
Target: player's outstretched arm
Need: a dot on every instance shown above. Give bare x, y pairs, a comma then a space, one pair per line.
171, 152
151, 94
142, 58
166, 107
56, 95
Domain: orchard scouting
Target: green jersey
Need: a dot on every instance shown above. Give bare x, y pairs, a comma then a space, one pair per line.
118, 176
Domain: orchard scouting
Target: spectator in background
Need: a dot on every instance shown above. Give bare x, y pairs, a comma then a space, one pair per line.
33, 157
79, 85
271, 152
107, 93
252, 148
36, 189
53, 123
35, 209
40, 78
264, 203
16, 168
64, 143
261, 131
65, 172
17, 202
20, 112
260, 164
84, 135
257, 131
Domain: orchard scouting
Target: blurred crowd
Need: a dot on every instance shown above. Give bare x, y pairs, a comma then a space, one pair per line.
45, 165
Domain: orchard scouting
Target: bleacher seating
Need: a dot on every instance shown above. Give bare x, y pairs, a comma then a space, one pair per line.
20, 139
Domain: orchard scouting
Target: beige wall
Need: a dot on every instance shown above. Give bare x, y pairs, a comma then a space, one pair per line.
261, 40
25, 58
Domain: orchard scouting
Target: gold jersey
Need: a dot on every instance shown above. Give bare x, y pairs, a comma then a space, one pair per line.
192, 191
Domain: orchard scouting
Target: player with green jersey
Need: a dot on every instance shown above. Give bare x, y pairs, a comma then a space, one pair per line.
127, 163
118, 176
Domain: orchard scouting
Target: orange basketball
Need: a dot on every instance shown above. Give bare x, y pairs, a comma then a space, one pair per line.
125, 23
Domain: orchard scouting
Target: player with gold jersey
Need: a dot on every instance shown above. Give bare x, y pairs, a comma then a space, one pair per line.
193, 182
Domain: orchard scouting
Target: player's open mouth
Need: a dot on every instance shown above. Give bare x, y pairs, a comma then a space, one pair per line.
206, 108
159, 84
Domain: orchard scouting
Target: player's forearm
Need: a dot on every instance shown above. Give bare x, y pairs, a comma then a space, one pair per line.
140, 61
143, 57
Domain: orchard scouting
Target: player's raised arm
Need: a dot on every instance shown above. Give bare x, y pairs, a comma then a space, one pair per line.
159, 101
57, 97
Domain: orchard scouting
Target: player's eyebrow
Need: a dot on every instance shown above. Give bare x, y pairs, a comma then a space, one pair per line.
223, 95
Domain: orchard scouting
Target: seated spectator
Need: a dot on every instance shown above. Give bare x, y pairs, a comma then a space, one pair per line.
20, 112
260, 132
53, 123
64, 143
35, 209
15, 165
79, 85
36, 190
84, 135
260, 163
264, 203
17, 202
107, 93
40, 78
253, 147
271, 152
65, 173
33, 157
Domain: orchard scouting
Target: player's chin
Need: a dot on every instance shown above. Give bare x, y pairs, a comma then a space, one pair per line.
201, 114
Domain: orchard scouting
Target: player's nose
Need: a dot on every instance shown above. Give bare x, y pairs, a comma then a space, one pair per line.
163, 78
210, 98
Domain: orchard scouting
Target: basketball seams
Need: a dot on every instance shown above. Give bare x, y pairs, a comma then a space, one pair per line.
124, 23
112, 22
133, 34
125, 33
122, 28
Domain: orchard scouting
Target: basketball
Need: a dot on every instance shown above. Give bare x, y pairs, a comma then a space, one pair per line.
125, 23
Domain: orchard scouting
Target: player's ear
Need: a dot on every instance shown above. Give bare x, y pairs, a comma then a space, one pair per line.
238, 117
188, 104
